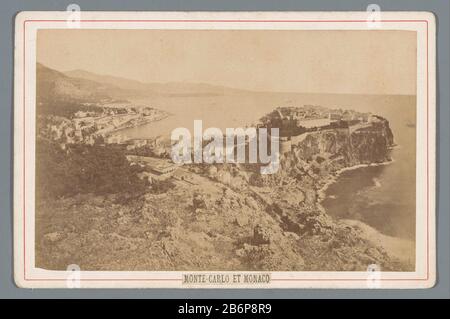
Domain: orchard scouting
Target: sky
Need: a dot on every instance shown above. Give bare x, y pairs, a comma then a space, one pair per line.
342, 62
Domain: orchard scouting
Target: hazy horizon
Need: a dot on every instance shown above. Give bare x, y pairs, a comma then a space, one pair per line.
284, 61
228, 87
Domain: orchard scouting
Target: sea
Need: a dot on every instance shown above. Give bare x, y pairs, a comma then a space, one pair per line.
382, 197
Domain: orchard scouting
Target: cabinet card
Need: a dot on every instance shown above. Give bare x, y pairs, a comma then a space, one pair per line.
224, 150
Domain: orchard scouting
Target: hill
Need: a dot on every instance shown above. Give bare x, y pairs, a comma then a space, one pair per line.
158, 89
52, 85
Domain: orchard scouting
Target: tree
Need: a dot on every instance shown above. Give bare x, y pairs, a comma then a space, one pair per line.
98, 169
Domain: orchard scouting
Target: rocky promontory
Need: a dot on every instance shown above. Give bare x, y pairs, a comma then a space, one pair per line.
226, 216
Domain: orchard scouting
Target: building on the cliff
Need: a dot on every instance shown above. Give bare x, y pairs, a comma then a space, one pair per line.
135, 143
374, 119
80, 114
116, 139
155, 165
334, 116
150, 177
348, 116
364, 117
318, 122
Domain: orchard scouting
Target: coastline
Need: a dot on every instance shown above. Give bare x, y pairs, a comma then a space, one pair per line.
145, 122
396, 247
321, 193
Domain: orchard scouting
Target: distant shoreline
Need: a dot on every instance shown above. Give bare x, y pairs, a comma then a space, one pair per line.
126, 127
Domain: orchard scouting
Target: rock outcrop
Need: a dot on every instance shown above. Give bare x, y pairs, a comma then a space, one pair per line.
271, 222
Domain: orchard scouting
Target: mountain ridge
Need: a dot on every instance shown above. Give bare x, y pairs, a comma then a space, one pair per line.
156, 88
125, 87
54, 86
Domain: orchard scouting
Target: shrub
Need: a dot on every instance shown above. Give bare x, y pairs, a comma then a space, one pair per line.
160, 187
98, 169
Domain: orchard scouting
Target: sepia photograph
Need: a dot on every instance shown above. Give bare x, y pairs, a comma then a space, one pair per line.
227, 156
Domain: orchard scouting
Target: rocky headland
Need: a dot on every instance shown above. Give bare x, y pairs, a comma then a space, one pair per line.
227, 216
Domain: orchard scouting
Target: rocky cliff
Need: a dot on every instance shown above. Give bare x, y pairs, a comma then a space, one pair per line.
226, 218
352, 146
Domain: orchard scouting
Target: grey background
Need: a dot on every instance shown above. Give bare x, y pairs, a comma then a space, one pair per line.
8, 9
